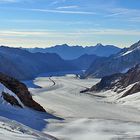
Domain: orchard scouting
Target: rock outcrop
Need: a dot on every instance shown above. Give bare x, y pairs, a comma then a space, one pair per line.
11, 99
107, 82
119, 82
21, 91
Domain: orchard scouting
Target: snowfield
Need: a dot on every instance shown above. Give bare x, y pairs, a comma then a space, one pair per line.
86, 116
71, 115
12, 130
21, 124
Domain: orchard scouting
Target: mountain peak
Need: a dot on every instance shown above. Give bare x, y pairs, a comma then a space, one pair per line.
139, 42
99, 45
61, 46
65, 45
135, 46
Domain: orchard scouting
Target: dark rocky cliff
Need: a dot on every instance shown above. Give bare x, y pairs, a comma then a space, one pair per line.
21, 91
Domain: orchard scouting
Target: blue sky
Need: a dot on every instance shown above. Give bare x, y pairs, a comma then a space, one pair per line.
44, 23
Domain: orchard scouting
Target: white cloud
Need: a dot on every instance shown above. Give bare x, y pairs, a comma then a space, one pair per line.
62, 11
55, 33
117, 12
68, 7
86, 37
54, 3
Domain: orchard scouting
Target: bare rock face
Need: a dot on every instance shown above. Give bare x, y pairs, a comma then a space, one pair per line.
107, 82
132, 76
133, 90
11, 99
21, 91
119, 82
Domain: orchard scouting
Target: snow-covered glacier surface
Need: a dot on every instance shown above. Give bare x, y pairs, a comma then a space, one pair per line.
86, 116
71, 115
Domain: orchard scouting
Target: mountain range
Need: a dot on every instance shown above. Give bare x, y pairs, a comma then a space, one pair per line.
118, 63
26, 112
24, 65
73, 52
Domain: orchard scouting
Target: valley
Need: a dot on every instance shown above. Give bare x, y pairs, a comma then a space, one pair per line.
90, 97
70, 70
84, 116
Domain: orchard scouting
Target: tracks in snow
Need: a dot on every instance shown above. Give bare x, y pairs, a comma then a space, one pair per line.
52, 81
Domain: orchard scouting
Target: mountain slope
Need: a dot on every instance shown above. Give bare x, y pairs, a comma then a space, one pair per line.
119, 63
73, 52
12, 130
16, 93
119, 83
83, 62
22, 64
20, 116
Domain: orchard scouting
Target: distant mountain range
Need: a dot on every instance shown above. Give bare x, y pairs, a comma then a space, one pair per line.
73, 52
118, 63
25, 65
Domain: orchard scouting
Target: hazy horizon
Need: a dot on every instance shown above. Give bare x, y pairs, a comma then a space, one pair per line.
41, 23
43, 47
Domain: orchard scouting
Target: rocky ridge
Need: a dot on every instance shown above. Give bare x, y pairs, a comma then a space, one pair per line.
119, 82
21, 91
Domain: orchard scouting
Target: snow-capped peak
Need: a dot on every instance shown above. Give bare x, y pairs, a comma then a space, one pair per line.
132, 48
